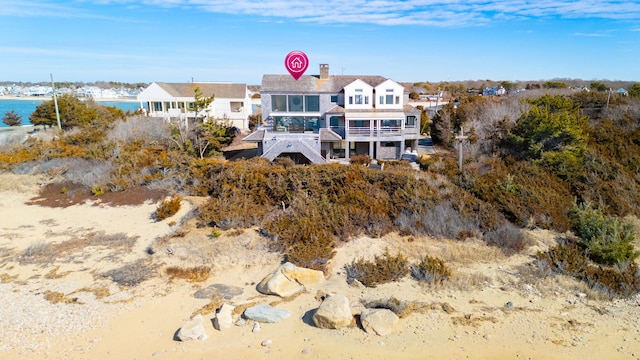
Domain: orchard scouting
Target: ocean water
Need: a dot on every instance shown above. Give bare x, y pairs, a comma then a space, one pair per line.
24, 108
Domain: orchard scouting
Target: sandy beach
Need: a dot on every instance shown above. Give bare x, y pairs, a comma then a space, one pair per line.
59, 304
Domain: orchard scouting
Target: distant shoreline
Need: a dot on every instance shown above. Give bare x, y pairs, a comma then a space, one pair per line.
47, 98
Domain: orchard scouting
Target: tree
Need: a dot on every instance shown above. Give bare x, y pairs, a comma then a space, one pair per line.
554, 85
73, 112
207, 135
635, 90
553, 134
212, 136
508, 86
11, 118
599, 86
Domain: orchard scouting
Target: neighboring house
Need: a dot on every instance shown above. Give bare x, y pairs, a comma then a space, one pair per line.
622, 92
318, 118
494, 91
232, 102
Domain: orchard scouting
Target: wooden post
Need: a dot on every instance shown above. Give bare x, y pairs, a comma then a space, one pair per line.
461, 138
55, 101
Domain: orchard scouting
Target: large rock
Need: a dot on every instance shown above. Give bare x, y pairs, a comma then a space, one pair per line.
379, 321
288, 280
192, 329
266, 314
224, 317
333, 313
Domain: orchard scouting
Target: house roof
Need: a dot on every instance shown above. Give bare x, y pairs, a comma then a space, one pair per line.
336, 110
313, 83
219, 90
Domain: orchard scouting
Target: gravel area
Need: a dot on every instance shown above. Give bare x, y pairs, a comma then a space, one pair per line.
27, 319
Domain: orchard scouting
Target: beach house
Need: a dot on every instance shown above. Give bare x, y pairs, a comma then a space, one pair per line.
231, 104
322, 117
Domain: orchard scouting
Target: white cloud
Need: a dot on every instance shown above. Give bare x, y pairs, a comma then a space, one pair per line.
443, 13
591, 34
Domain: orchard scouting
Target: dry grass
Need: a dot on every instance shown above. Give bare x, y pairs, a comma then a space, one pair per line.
6, 278
55, 297
210, 308
401, 308
98, 292
45, 253
468, 252
286, 299
53, 273
242, 307
21, 183
193, 274
167, 208
470, 320
467, 282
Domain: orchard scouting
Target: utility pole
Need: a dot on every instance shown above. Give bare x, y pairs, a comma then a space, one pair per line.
55, 101
461, 138
608, 97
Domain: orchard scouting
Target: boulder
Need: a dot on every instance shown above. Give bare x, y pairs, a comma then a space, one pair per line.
266, 314
288, 280
303, 276
224, 317
192, 329
333, 313
379, 321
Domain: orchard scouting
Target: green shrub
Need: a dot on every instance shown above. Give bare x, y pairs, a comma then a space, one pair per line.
431, 270
606, 239
97, 190
382, 269
167, 208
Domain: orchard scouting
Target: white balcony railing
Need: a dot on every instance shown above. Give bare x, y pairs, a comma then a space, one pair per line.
386, 130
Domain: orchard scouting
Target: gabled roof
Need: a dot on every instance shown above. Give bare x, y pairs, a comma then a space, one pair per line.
219, 90
313, 84
336, 110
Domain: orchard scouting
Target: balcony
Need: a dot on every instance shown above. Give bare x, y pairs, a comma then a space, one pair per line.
383, 131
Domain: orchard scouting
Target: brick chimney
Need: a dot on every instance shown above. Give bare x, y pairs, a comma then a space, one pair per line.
324, 71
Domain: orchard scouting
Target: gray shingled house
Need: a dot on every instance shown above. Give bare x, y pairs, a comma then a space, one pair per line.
319, 118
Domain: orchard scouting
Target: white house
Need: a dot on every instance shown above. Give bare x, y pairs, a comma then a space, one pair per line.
318, 118
232, 102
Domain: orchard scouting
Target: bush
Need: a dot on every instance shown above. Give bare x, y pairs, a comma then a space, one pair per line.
621, 279
167, 208
606, 239
360, 160
508, 238
431, 270
382, 269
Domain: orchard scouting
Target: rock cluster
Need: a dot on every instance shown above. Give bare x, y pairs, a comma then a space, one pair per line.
334, 312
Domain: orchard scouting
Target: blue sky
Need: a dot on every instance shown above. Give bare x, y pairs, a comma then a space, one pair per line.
240, 40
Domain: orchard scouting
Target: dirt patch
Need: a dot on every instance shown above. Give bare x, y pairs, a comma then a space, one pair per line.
65, 194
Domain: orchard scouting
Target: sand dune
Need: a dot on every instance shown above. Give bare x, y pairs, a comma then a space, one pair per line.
493, 309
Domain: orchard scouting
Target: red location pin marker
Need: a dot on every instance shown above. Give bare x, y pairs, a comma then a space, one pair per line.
296, 63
